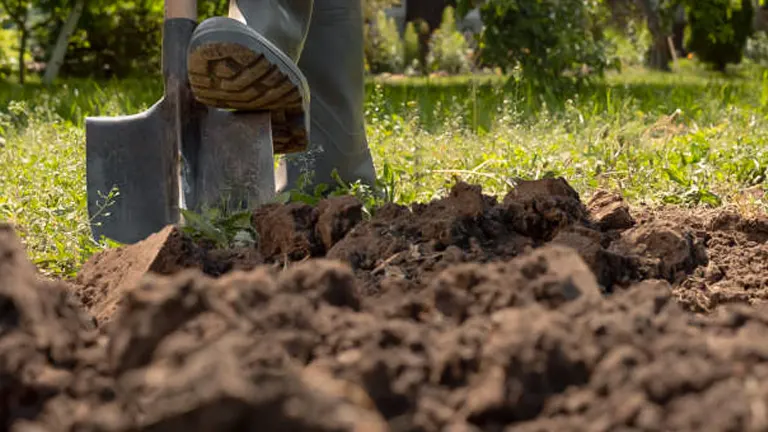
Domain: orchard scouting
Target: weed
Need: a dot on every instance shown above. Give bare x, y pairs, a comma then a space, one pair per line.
220, 228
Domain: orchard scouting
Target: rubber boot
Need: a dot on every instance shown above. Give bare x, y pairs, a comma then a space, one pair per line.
333, 64
248, 62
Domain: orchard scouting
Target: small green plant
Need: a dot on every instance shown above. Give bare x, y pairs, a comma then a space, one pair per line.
301, 193
371, 198
684, 169
220, 228
448, 50
384, 48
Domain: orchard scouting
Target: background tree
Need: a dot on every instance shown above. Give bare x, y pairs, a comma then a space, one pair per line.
110, 38
59, 49
426, 16
430, 11
384, 49
659, 54
97, 38
26, 20
719, 30
448, 49
679, 24
548, 40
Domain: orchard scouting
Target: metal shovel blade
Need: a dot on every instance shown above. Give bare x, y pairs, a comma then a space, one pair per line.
127, 153
140, 154
235, 164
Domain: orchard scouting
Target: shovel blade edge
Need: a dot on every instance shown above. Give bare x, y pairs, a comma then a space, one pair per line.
133, 155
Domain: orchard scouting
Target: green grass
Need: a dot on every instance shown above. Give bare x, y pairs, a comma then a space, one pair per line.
689, 138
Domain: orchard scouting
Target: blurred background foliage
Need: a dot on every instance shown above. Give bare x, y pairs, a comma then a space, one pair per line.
540, 40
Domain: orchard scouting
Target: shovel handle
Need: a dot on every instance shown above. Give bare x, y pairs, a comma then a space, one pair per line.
181, 9
179, 121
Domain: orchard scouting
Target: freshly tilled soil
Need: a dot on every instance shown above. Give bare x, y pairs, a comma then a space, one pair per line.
534, 313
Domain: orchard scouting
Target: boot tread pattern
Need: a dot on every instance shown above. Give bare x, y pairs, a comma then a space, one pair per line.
231, 76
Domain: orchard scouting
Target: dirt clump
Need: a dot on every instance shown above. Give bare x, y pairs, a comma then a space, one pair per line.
297, 231
540, 209
194, 352
610, 211
104, 280
337, 217
666, 250
534, 312
414, 243
550, 277
218, 262
613, 270
655, 369
737, 249
48, 345
287, 230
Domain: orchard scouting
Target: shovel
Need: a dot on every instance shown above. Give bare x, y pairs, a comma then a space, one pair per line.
178, 154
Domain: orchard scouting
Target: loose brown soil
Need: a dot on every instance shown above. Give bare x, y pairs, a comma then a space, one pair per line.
534, 313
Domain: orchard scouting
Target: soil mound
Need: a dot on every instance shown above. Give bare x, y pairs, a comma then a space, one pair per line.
536, 312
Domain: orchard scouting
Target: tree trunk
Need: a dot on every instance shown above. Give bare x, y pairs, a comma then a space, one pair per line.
23, 37
678, 30
429, 12
20, 18
659, 55
62, 42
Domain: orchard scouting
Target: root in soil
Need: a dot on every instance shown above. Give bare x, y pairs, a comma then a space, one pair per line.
538, 312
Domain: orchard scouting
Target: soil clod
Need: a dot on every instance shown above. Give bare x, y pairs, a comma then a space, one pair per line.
610, 211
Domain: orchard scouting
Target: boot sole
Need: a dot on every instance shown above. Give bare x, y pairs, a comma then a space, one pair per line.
250, 75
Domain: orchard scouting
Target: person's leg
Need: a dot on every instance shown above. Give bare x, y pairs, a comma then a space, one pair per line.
248, 61
333, 64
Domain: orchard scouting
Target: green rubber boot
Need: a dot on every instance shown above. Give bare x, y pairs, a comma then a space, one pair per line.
332, 61
248, 62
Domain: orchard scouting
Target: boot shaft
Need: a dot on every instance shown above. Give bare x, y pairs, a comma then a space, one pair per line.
333, 63
282, 22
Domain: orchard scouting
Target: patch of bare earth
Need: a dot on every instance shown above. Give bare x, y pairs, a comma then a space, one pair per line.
537, 312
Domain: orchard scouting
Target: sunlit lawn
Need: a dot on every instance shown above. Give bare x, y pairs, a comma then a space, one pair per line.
691, 138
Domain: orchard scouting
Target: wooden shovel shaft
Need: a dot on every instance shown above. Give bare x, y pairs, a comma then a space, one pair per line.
181, 9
